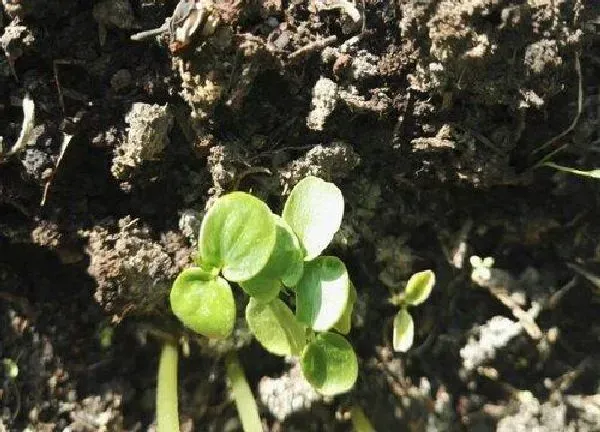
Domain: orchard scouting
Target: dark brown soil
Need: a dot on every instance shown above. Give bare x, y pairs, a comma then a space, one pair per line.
432, 116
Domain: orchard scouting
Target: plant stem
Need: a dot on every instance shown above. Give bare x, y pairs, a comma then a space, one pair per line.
242, 395
360, 421
167, 414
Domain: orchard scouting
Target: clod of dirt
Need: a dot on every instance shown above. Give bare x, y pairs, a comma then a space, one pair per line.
99, 413
529, 414
490, 337
149, 127
469, 38
190, 221
221, 163
121, 80
288, 394
36, 162
114, 13
324, 100
16, 40
332, 163
133, 272
397, 260
362, 198
48, 234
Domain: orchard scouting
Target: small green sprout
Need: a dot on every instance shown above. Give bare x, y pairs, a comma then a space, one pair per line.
418, 289
11, 369
595, 173
242, 241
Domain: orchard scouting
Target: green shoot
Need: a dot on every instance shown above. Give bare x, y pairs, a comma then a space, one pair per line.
322, 293
418, 289
595, 173
167, 411
360, 422
242, 241
314, 210
242, 394
329, 364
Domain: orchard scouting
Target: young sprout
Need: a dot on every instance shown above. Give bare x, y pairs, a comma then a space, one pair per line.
418, 289
242, 241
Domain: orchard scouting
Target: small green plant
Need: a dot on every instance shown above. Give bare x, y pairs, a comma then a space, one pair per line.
267, 255
418, 289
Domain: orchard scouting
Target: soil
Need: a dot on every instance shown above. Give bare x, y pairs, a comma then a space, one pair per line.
434, 117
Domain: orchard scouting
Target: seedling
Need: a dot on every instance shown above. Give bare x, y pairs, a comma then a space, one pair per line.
418, 289
595, 173
242, 241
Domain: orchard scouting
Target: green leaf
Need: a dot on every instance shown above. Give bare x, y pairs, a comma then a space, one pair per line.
314, 211
419, 287
261, 287
288, 256
285, 264
275, 327
404, 331
203, 303
595, 173
322, 293
344, 324
329, 364
11, 368
237, 236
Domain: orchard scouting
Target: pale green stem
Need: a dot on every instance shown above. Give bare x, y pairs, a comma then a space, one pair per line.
167, 414
242, 395
360, 422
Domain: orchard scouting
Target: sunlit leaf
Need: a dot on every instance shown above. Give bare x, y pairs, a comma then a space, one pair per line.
261, 287
314, 211
275, 327
344, 324
329, 364
237, 236
404, 331
322, 293
595, 173
11, 368
203, 303
419, 287
285, 264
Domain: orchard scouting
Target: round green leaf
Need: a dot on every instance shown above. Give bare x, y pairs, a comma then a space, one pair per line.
404, 331
261, 287
237, 235
286, 262
329, 364
322, 293
314, 211
275, 327
203, 303
287, 259
419, 287
344, 324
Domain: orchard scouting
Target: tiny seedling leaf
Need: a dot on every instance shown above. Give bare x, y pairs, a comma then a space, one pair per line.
237, 235
203, 303
404, 331
11, 368
262, 288
314, 211
285, 264
344, 324
322, 293
419, 287
275, 327
329, 364
595, 173
288, 257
